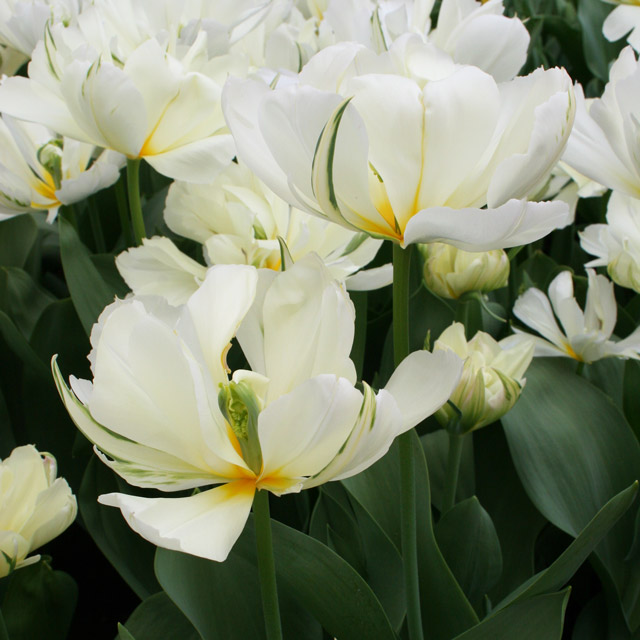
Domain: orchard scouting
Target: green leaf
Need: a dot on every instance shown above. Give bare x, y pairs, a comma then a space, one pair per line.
631, 399
123, 633
516, 520
22, 299
469, 543
563, 568
446, 611
39, 602
574, 451
598, 51
20, 346
89, 292
359, 299
436, 450
158, 617
131, 555
222, 599
17, 236
539, 618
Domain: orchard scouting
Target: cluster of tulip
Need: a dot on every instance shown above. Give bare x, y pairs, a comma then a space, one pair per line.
299, 150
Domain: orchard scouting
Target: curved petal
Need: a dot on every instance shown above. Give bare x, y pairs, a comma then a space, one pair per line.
422, 383
514, 223
378, 423
159, 268
308, 327
199, 161
302, 431
206, 524
215, 312
370, 279
565, 305
534, 309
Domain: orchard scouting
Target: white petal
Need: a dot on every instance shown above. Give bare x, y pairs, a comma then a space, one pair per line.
534, 309
206, 524
422, 383
514, 223
370, 279
302, 431
565, 305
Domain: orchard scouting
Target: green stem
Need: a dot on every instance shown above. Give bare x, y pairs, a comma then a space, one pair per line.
580, 368
453, 471
401, 270
266, 566
69, 213
96, 227
133, 190
123, 211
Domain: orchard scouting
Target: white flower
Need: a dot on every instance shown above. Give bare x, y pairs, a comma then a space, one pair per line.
450, 272
35, 506
605, 141
238, 220
585, 336
617, 243
153, 107
413, 159
164, 413
492, 377
623, 20
40, 171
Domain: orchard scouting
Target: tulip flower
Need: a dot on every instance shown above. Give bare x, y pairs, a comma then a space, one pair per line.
450, 272
164, 412
492, 377
424, 152
585, 336
41, 172
154, 106
238, 220
36, 506
617, 243
603, 144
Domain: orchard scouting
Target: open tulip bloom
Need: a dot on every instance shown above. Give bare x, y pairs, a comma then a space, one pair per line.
585, 335
408, 145
164, 413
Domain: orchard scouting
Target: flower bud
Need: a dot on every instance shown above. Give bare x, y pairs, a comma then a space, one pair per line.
449, 272
491, 379
36, 507
50, 157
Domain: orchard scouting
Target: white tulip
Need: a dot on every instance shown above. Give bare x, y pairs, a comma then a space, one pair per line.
40, 171
492, 377
413, 159
617, 243
164, 411
35, 506
604, 144
585, 335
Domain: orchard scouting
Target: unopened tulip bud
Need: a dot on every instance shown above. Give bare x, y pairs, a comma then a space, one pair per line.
36, 507
450, 272
491, 379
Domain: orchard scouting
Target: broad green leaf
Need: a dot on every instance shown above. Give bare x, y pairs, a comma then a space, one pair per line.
222, 599
436, 450
20, 346
89, 292
158, 617
22, 299
106, 265
598, 51
469, 543
539, 618
123, 633
131, 555
563, 568
591, 624
608, 375
39, 602
516, 520
574, 451
631, 401
17, 236
445, 609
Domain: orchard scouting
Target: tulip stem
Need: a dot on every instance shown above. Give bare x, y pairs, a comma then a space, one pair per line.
401, 271
453, 471
266, 566
135, 207
123, 212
